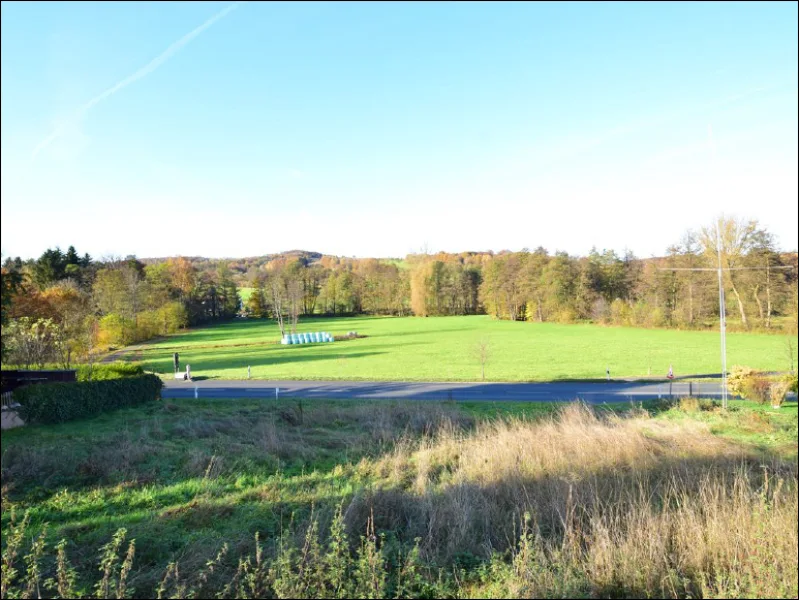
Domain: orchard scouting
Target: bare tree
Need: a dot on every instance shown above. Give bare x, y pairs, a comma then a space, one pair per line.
736, 238
295, 295
277, 288
91, 332
482, 352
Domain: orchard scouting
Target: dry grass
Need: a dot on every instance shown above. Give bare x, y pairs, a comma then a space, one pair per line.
577, 504
633, 505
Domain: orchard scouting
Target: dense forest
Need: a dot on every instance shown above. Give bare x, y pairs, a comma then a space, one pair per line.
64, 307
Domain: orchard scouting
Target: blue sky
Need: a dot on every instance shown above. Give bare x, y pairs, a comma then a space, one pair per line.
376, 129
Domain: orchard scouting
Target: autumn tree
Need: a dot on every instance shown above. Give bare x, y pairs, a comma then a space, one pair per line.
30, 342
255, 303
10, 283
71, 307
731, 238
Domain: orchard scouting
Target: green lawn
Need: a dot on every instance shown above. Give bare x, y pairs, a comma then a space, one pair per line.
245, 293
442, 349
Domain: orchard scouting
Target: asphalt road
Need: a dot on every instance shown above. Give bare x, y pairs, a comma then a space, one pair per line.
592, 392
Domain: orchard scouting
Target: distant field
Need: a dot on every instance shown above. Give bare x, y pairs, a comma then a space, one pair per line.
442, 349
245, 293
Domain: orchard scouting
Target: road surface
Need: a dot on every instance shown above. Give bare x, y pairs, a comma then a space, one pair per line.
592, 392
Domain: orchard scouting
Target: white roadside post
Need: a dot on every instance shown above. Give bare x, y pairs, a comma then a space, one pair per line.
670, 377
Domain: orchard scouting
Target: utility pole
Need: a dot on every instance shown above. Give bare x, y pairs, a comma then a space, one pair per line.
720, 270
722, 305
722, 321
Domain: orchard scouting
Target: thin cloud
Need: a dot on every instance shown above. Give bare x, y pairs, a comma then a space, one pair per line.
143, 72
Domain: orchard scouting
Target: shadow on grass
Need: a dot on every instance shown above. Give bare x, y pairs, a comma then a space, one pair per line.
469, 519
473, 519
254, 359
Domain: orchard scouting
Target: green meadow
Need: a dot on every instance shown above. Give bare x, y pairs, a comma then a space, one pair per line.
443, 349
245, 293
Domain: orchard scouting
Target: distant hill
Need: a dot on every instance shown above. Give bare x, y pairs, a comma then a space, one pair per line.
310, 256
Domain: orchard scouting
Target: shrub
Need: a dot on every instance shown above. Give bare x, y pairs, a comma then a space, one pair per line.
116, 330
778, 390
737, 377
655, 317
694, 404
792, 382
689, 404
59, 402
757, 388
104, 371
620, 313
565, 315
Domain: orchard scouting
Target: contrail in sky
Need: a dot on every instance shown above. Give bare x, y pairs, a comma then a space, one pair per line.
144, 71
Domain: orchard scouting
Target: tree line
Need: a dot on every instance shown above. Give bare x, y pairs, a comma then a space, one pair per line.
68, 306
62, 307
603, 287
670, 291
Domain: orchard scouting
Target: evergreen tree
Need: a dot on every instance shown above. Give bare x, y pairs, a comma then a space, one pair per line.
49, 268
71, 257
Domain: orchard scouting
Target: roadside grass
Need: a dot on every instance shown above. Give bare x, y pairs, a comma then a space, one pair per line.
442, 349
763, 430
496, 499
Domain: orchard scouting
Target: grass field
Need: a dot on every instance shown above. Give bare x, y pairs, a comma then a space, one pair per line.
245, 293
444, 489
442, 349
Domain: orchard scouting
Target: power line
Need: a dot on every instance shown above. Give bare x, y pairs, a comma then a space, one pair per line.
722, 304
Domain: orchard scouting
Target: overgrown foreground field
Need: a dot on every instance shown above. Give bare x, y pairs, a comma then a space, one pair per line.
251, 498
443, 349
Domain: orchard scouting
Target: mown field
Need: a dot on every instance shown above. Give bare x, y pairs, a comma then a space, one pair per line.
245, 293
388, 499
442, 349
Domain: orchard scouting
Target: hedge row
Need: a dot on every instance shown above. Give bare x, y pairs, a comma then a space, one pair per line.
95, 372
59, 402
103, 371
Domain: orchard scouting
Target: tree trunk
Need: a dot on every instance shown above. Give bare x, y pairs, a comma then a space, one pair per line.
768, 294
278, 308
740, 304
759, 303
